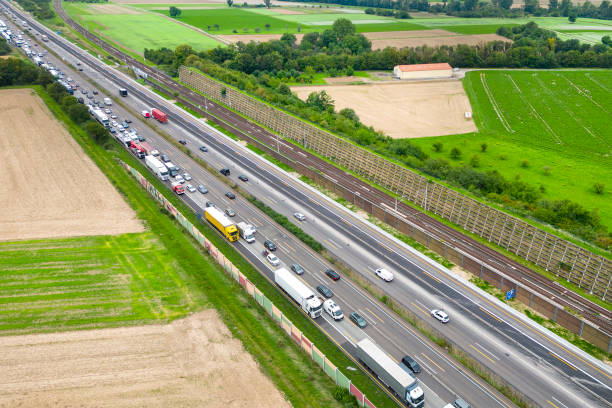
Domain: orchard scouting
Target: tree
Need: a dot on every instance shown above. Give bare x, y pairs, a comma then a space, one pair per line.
267, 26
343, 27
505, 4
349, 114
437, 146
572, 16
475, 161
599, 188
217, 27
4, 47
553, 5
455, 153
96, 131
531, 6
183, 51
175, 12
606, 40
229, 2
321, 100
78, 113
483, 147
268, 3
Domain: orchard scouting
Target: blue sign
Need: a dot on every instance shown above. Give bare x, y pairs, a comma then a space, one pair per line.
510, 294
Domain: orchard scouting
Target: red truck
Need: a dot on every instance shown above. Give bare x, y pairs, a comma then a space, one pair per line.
137, 149
178, 188
159, 115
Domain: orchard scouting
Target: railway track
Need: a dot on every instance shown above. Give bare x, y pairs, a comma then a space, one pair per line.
598, 315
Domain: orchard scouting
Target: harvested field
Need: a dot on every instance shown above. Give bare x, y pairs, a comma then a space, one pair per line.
190, 362
51, 188
402, 109
399, 39
431, 40
111, 9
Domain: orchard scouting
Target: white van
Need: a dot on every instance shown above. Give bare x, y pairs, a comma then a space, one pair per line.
108, 102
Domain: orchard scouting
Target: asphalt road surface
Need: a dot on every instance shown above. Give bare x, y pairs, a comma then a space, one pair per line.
547, 370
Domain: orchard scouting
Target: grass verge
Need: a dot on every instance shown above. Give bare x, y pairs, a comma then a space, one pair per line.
292, 371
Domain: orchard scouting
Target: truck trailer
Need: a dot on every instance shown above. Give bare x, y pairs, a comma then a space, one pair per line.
137, 150
299, 292
149, 149
222, 223
157, 167
246, 232
101, 117
159, 115
391, 374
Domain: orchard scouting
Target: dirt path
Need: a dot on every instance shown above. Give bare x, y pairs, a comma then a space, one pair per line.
51, 188
192, 362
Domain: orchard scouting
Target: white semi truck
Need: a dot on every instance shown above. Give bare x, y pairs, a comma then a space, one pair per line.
299, 292
157, 167
391, 374
101, 117
246, 231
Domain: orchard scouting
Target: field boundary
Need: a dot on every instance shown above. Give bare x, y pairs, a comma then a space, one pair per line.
277, 315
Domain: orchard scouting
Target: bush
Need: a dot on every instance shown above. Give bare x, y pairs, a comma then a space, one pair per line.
599, 188
437, 146
455, 153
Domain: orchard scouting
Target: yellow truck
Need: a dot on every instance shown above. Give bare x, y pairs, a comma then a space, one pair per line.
222, 223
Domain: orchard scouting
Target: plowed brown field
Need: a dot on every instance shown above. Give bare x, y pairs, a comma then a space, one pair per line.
50, 187
193, 362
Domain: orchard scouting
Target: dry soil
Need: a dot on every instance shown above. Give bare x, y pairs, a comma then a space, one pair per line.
404, 109
50, 187
192, 362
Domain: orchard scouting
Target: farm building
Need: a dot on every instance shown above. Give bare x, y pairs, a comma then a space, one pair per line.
422, 71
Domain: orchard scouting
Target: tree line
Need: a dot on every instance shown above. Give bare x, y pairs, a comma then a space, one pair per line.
16, 71
41, 9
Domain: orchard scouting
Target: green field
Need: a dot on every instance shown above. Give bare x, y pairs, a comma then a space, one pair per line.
90, 282
148, 30
251, 19
533, 120
476, 29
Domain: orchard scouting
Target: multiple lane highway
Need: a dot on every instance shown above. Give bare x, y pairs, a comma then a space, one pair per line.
547, 370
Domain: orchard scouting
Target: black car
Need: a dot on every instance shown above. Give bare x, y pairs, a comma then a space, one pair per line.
230, 195
141, 139
89, 96
243, 177
225, 171
95, 92
164, 158
183, 142
271, 246
209, 204
297, 268
332, 274
325, 291
128, 121
411, 364
203, 149
80, 100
